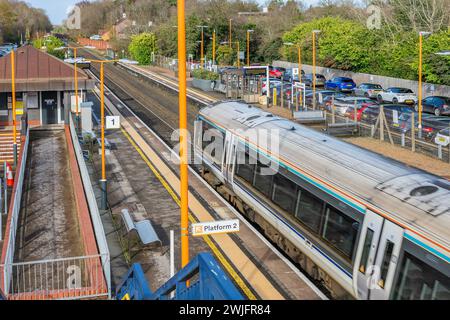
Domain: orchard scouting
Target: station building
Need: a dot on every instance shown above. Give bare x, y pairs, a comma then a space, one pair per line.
45, 87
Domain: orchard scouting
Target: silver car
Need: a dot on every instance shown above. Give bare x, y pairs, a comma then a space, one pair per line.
368, 90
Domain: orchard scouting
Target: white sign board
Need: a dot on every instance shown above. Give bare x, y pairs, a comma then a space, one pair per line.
295, 71
112, 122
395, 116
205, 228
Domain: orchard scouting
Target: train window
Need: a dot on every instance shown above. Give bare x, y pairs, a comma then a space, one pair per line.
366, 251
263, 179
385, 263
246, 170
419, 281
309, 210
212, 142
284, 193
340, 230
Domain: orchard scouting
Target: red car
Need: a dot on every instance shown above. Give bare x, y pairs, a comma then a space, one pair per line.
350, 113
276, 72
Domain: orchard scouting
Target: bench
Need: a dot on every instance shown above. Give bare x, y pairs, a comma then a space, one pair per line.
342, 129
144, 229
305, 117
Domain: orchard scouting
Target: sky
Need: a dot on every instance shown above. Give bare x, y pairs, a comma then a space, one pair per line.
56, 10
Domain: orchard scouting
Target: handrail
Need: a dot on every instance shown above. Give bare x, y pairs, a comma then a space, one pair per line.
13, 216
211, 284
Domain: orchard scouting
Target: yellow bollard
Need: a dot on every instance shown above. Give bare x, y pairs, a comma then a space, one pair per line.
274, 96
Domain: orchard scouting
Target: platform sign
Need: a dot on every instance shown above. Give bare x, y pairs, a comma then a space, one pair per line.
112, 122
215, 227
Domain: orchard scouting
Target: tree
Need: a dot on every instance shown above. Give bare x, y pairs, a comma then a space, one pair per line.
142, 46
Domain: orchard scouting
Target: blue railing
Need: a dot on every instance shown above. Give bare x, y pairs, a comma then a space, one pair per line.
212, 283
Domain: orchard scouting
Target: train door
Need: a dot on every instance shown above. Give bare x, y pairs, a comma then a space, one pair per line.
226, 161
377, 256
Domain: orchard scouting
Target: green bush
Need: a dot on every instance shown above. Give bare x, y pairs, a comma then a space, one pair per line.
205, 74
142, 46
50, 43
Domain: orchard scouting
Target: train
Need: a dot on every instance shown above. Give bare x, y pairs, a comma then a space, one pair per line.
362, 225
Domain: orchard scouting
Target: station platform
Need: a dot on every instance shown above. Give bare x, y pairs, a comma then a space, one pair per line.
51, 247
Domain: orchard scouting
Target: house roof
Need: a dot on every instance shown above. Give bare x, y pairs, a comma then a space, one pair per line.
39, 71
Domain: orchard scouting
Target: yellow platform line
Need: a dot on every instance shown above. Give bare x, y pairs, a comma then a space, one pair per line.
207, 239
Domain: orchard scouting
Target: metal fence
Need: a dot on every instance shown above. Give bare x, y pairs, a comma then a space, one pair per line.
67, 278
10, 239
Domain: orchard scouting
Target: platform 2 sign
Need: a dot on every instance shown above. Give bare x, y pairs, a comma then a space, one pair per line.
216, 227
112, 122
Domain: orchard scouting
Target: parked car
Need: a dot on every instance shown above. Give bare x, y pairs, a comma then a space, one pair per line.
320, 80
350, 113
431, 125
436, 104
327, 99
342, 104
368, 90
397, 95
443, 137
276, 72
391, 111
288, 76
340, 84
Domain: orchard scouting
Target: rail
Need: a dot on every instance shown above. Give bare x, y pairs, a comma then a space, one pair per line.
67, 278
12, 223
207, 281
93, 208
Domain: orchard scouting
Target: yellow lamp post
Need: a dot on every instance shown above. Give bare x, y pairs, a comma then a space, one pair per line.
103, 181
214, 47
202, 45
229, 34
13, 88
184, 182
314, 32
419, 91
248, 46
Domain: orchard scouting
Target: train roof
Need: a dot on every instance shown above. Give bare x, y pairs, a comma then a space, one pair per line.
418, 200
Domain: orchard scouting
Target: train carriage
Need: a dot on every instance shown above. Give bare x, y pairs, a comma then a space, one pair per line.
366, 226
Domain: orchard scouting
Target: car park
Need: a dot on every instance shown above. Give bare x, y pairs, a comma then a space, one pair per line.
340, 84
397, 95
368, 90
437, 105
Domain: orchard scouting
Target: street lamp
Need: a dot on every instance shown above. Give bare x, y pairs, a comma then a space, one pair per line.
103, 181
184, 182
229, 34
314, 32
248, 46
13, 88
419, 98
214, 47
202, 46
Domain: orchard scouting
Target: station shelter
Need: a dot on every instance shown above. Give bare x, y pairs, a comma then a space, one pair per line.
45, 87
